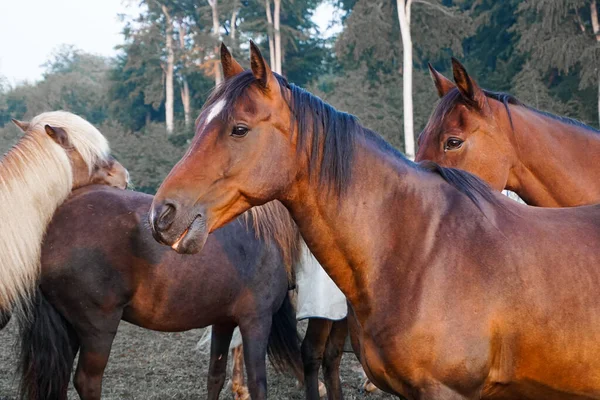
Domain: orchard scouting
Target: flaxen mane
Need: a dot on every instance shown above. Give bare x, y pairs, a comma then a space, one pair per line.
35, 178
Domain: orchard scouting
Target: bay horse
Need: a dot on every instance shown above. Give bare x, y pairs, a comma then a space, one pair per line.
548, 160
100, 265
58, 152
456, 291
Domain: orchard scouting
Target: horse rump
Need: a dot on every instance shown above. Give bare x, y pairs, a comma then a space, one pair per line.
47, 350
284, 343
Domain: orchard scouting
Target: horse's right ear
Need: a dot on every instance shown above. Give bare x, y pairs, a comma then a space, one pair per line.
442, 84
59, 135
230, 66
260, 69
468, 88
24, 126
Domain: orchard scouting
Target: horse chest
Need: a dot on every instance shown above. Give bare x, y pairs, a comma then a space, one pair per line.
406, 361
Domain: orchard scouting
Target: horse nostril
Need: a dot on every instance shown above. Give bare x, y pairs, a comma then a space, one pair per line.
165, 217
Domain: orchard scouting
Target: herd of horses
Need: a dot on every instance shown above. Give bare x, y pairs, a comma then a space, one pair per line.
454, 291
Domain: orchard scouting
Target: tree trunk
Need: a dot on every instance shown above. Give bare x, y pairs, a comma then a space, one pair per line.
234, 15
596, 29
169, 71
185, 88
185, 100
270, 33
407, 67
276, 25
215, 17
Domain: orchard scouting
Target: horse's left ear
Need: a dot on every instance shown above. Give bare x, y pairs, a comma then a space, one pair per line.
467, 86
230, 66
260, 69
22, 125
59, 135
442, 84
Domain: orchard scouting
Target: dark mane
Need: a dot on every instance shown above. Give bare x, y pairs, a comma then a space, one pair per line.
453, 98
465, 182
331, 146
324, 133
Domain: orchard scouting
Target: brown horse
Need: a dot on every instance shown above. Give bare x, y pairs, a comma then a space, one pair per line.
457, 292
100, 265
547, 160
58, 152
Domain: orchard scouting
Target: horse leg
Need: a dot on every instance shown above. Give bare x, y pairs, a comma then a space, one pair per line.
93, 356
255, 337
219, 349
333, 357
313, 347
238, 387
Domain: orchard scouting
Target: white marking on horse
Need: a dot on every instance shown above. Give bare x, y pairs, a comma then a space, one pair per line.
215, 110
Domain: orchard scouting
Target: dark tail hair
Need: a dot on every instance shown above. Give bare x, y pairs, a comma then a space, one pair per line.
284, 342
47, 352
4, 318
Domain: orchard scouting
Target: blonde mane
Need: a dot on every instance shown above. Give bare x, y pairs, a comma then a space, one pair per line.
273, 221
35, 178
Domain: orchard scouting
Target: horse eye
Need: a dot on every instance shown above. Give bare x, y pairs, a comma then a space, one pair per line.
453, 144
239, 131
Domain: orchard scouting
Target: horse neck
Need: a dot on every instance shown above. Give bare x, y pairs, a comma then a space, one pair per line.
372, 225
553, 161
35, 178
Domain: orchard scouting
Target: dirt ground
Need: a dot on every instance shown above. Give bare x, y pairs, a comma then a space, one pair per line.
152, 365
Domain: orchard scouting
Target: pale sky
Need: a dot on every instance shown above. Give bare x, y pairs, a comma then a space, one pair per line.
30, 30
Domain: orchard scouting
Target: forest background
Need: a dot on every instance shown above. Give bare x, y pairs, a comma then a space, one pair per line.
545, 52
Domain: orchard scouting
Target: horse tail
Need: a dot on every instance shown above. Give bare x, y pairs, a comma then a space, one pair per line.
47, 351
284, 342
4, 318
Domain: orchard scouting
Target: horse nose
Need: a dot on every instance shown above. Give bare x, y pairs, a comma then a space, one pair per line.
164, 216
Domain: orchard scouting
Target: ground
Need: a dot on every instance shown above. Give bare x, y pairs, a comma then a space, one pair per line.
152, 365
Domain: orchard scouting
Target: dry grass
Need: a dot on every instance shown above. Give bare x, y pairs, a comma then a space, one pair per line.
152, 365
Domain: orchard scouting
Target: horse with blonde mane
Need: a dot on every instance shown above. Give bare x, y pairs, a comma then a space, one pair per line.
59, 152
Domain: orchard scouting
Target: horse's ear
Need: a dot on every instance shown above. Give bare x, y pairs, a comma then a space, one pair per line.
59, 135
442, 84
24, 126
231, 67
467, 86
260, 69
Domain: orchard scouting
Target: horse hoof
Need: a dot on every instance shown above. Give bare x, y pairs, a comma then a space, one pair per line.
369, 387
241, 393
322, 390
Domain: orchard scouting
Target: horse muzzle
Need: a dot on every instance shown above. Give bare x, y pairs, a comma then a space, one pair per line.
186, 234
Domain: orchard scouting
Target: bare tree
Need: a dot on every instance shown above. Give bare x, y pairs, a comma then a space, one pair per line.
234, 15
216, 28
169, 69
185, 88
404, 20
270, 33
596, 29
276, 25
